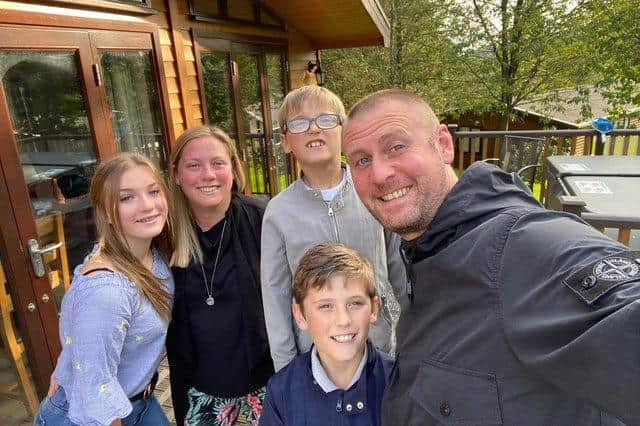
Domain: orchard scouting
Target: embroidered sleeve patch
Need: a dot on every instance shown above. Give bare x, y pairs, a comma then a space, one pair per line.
596, 279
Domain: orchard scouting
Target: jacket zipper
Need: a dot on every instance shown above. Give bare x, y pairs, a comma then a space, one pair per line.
332, 215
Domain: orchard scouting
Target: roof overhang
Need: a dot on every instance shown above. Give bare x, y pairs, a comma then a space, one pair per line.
334, 24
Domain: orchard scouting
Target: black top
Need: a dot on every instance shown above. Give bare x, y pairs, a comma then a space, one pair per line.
220, 350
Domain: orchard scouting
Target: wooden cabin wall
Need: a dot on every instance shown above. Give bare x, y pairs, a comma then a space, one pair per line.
175, 34
186, 108
300, 53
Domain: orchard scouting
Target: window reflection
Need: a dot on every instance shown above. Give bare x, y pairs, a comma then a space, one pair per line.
55, 145
217, 90
276, 96
134, 104
253, 123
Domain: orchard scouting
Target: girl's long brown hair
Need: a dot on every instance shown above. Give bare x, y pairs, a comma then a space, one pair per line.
104, 192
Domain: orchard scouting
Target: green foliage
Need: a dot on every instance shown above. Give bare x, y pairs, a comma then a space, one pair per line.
217, 90
491, 55
613, 45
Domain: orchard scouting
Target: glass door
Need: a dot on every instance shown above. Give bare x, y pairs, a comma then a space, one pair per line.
281, 164
129, 83
67, 100
49, 129
252, 120
243, 86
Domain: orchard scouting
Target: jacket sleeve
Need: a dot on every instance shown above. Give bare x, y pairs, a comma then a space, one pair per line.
395, 266
276, 282
564, 319
179, 355
271, 415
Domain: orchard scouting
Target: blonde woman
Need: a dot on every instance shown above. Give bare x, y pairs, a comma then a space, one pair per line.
114, 317
217, 345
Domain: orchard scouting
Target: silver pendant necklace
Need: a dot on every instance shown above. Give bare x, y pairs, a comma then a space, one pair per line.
209, 286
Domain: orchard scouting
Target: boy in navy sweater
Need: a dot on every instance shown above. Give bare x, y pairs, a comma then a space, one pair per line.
341, 379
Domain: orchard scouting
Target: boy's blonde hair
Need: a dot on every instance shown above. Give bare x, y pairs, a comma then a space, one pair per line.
320, 263
187, 244
314, 95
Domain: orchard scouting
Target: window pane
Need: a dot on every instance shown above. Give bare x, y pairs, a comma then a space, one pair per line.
217, 90
253, 123
46, 102
134, 105
275, 75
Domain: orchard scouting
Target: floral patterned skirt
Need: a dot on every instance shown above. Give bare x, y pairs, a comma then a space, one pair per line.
208, 410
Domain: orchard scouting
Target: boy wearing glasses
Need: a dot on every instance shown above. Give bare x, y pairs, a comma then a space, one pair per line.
322, 205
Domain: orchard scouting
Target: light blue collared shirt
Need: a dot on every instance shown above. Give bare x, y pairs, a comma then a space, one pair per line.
112, 343
320, 375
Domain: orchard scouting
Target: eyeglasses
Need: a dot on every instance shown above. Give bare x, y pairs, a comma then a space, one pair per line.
323, 121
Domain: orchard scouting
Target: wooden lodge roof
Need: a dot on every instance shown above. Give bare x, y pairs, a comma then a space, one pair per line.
331, 24
569, 109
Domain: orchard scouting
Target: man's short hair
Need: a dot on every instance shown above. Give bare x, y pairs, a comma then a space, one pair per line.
314, 95
367, 103
320, 263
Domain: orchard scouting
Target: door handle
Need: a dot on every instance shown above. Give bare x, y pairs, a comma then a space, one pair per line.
36, 253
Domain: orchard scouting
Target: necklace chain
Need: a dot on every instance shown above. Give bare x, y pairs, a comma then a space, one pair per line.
209, 286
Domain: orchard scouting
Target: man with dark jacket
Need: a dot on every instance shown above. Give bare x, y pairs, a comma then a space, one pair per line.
515, 315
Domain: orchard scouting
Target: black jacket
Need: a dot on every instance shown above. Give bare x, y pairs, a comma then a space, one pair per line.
513, 319
245, 223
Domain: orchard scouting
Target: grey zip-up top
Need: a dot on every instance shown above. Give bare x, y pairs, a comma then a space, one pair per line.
518, 316
298, 219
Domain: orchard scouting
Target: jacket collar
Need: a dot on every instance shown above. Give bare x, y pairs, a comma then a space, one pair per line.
315, 194
483, 190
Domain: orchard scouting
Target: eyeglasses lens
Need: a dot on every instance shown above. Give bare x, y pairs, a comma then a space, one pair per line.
324, 121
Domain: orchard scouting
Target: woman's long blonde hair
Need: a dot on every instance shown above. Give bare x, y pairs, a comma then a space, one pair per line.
105, 197
187, 244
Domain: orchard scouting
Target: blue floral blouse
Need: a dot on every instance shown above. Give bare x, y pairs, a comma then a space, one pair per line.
112, 343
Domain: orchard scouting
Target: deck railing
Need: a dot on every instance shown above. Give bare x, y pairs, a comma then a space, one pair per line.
471, 146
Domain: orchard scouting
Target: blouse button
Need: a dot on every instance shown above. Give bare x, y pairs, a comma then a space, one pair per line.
445, 410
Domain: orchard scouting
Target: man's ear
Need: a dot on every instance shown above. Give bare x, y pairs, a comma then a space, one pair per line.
285, 144
299, 316
375, 308
444, 144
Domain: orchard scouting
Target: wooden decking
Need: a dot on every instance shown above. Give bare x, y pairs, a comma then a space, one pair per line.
163, 391
14, 413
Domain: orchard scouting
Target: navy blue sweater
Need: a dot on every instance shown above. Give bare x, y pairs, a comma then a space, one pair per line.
294, 398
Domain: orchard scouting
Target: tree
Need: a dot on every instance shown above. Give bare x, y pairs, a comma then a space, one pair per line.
414, 60
612, 42
470, 55
515, 49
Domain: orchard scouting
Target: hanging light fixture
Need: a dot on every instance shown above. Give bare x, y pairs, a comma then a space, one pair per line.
316, 69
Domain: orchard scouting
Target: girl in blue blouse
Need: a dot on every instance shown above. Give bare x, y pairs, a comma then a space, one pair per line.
115, 315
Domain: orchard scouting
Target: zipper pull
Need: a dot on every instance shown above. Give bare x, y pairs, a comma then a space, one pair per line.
409, 286
330, 211
339, 405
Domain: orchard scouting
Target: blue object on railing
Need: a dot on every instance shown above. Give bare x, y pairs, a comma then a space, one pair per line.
603, 126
